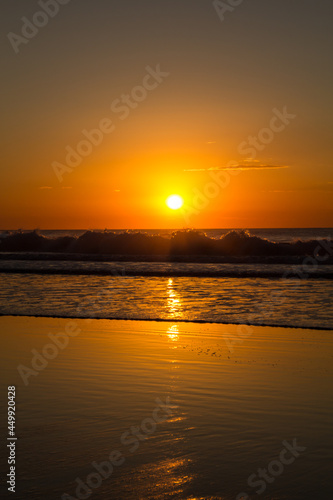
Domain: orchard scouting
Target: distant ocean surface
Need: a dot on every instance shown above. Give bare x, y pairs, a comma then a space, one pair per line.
273, 277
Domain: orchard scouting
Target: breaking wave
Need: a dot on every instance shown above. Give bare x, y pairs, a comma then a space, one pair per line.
184, 245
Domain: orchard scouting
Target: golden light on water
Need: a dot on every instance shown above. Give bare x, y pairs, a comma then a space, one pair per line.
173, 333
166, 478
174, 303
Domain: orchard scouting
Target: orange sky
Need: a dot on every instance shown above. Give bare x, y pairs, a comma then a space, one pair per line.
195, 92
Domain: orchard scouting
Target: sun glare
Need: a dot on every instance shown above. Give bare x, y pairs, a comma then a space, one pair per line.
175, 202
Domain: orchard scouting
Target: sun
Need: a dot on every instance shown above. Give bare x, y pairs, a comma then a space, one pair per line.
175, 202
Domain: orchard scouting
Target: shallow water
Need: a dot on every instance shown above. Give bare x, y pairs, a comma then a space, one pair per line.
283, 302
232, 406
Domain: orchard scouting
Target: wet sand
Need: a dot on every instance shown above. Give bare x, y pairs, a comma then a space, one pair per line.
170, 410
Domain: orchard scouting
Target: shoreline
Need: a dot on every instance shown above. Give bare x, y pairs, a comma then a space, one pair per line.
167, 320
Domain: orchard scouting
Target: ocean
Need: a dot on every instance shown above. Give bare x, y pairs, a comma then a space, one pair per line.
159, 365
273, 277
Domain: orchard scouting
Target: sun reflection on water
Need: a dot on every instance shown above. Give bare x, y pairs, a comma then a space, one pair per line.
163, 479
173, 333
174, 302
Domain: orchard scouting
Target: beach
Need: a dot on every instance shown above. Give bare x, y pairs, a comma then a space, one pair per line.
166, 250
154, 410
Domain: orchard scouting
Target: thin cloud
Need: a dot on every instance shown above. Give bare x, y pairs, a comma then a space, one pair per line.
238, 167
254, 167
196, 169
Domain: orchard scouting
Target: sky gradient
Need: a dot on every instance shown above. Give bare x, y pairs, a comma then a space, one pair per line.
178, 93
